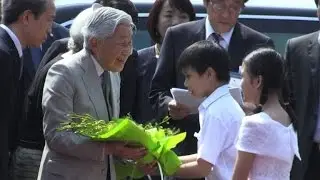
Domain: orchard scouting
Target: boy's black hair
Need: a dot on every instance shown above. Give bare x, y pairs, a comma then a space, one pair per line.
205, 54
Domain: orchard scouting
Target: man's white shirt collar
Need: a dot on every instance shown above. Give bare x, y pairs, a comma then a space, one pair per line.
225, 36
14, 39
98, 67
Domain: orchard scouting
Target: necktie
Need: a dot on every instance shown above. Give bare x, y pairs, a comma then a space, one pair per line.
106, 83
36, 55
215, 38
106, 89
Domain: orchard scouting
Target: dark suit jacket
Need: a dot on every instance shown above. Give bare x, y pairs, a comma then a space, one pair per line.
29, 72
302, 63
243, 41
128, 85
57, 47
31, 134
147, 62
9, 78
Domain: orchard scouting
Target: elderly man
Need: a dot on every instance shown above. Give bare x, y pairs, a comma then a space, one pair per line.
87, 82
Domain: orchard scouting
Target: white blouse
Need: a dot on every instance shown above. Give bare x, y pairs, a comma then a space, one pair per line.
273, 143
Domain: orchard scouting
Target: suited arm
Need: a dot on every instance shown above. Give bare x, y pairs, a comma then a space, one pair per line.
6, 80
288, 76
164, 77
57, 103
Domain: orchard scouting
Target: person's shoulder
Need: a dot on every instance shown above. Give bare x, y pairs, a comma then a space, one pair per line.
252, 34
145, 52
304, 39
259, 120
189, 27
70, 63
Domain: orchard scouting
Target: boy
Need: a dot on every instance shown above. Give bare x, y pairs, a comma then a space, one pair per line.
205, 66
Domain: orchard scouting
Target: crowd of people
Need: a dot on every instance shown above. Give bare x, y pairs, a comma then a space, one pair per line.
49, 72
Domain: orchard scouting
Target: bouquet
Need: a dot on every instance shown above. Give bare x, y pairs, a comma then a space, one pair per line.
157, 140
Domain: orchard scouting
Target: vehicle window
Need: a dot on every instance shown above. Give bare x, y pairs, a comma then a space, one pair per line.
279, 28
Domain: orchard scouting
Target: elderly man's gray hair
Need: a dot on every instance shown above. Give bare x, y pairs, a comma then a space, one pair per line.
75, 43
103, 22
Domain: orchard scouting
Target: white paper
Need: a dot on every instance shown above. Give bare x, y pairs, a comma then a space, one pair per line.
184, 97
236, 93
235, 80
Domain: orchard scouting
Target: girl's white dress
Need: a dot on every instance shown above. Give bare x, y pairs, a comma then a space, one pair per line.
274, 144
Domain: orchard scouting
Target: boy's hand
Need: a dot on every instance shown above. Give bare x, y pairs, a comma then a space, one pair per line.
178, 111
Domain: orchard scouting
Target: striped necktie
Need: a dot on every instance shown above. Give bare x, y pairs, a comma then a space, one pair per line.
214, 37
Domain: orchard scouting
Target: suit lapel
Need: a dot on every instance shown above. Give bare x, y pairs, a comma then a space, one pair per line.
12, 51
236, 48
93, 85
200, 30
314, 54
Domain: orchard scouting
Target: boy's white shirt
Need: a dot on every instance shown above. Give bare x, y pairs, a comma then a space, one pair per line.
220, 118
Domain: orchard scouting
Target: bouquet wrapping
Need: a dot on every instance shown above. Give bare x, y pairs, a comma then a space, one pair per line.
157, 140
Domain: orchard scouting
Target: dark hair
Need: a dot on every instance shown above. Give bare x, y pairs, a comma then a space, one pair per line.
244, 1
269, 64
12, 9
205, 54
182, 5
317, 2
124, 5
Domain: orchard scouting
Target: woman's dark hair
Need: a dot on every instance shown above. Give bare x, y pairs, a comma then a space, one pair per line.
124, 5
244, 1
205, 54
182, 5
317, 2
269, 64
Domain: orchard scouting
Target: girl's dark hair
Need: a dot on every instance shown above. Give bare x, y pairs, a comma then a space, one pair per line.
269, 64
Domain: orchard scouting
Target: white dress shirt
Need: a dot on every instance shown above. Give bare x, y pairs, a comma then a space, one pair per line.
220, 119
98, 67
14, 39
226, 37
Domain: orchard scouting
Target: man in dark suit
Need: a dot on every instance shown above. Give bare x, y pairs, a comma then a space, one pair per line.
220, 26
25, 23
302, 62
32, 58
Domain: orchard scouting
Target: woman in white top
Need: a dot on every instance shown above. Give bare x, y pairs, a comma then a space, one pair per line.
267, 141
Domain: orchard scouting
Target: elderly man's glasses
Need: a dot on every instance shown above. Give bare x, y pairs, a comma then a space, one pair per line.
221, 7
